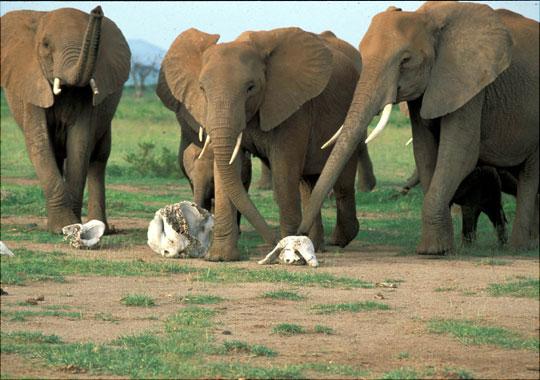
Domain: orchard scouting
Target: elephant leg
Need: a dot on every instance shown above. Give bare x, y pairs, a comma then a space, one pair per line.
457, 156
412, 181
246, 180
265, 182
41, 153
286, 185
524, 230
316, 233
77, 162
347, 225
96, 180
225, 237
469, 216
366, 177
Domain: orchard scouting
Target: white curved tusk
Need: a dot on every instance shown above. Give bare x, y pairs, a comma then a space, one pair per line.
409, 141
201, 133
206, 143
236, 148
333, 138
93, 86
382, 123
56, 86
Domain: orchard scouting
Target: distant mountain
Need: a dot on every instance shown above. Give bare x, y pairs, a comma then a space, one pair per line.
144, 52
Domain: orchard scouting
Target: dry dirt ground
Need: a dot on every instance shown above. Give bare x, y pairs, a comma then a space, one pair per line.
375, 340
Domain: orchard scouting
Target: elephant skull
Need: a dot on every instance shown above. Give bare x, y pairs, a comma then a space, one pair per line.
181, 230
293, 250
84, 235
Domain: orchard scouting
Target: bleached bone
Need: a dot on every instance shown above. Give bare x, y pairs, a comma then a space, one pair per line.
4, 250
181, 230
296, 250
84, 235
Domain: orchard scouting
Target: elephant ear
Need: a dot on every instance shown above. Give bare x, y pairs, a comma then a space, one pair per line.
182, 65
299, 66
21, 72
113, 60
164, 93
473, 47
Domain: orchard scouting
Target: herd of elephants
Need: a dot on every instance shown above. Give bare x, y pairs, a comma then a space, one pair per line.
468, 73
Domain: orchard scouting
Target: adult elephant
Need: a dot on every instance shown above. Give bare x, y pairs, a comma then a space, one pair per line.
470, 77
280, 94
63, 73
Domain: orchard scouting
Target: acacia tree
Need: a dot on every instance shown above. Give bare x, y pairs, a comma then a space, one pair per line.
140, 72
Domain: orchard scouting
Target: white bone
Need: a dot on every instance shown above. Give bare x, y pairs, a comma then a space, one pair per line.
4, 250
201, 132
236, 148
333, 138
206, 143
292, 250
181, 230
409, 141
84, 235
382, 122
56, 86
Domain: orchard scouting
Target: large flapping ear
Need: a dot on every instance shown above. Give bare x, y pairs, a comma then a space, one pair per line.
113, 60
164, 93
21, 72
298, 68
472, 48
182, 65
350, 51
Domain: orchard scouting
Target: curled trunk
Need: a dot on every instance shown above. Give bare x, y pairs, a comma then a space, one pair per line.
84, 68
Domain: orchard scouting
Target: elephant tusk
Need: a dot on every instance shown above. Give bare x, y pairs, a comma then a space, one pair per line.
409, 141
236, 148
56, 86
93, 86
382, 123
333, 138
201, 133
206, 143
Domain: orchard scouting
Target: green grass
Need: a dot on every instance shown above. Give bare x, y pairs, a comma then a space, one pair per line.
403, 355
288, 329
200, 299
23, 315
284, 295
353, 307
140, 300
401, 373
39, 266
470, 332
237, 346
320, 329
106, 317
529, 288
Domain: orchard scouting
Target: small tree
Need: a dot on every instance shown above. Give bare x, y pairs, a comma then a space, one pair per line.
140, 71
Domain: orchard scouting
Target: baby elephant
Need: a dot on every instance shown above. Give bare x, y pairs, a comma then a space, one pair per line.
199, 170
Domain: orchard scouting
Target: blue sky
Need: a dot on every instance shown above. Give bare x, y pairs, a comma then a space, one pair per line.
160, 22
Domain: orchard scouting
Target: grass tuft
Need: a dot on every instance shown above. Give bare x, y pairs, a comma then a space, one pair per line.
288, 329
237, 346
320, 329
284, 295
140, 300
529, 288
353, 307
200, 299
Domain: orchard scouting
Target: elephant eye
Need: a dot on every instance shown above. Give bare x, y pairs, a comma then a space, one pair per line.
45, 44
250, 87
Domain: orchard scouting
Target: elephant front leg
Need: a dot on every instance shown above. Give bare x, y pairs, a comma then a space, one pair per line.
77, 161
286, 185
225, 235
96, 180
347, 225
41, 153
456, 157
525, 227
366, 177
316, 233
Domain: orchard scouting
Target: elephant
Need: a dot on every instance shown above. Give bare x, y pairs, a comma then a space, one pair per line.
469, 75
279, 94
63, 73
199, 169
265, 181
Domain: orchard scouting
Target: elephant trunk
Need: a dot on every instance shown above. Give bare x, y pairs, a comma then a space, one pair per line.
369, 98
84, 68
223, 130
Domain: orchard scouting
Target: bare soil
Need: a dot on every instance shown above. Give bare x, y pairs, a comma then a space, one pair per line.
372, 340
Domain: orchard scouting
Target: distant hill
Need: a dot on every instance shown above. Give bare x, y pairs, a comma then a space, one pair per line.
145, 52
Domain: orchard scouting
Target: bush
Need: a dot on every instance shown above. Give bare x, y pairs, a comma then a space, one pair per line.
146, 162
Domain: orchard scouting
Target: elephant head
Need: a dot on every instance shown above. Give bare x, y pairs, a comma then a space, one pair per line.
261, 77
443, 54
65, 47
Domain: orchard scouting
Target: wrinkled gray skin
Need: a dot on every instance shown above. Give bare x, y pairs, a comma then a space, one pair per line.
470, 76
200, 173
68, 135
288, 92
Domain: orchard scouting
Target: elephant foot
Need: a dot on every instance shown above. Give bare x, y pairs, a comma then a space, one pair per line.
467, 239
223, 251
367, 184
522, 239
435, 244
502, 235
343, 236
59, 219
